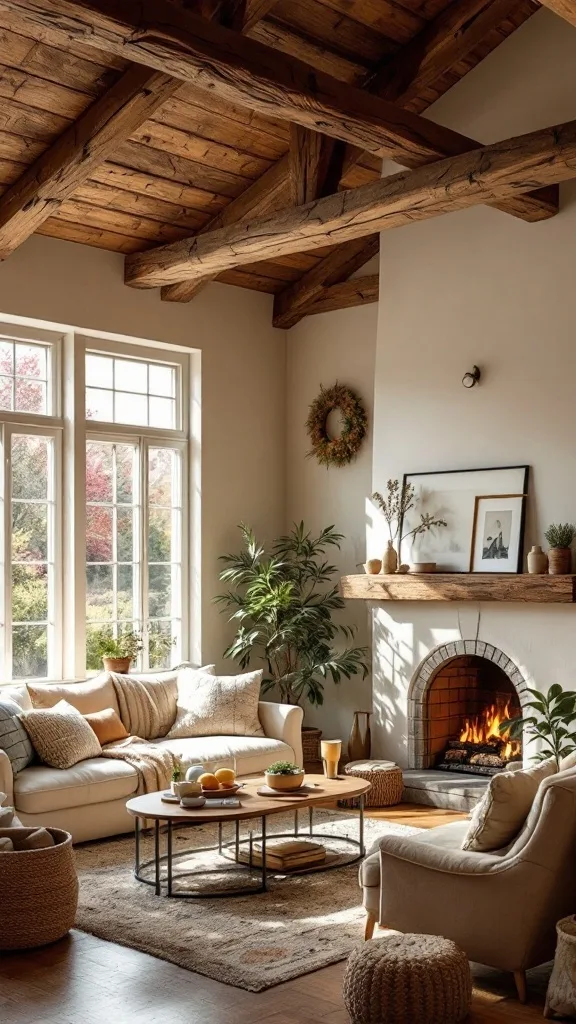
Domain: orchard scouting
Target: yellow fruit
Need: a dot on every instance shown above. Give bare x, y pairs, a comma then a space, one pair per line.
226, 776
209, 781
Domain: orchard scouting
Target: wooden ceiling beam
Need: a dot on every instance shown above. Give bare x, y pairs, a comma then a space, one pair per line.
243, 15
444, 41
358, 291
491, 173
74, 156
565, 9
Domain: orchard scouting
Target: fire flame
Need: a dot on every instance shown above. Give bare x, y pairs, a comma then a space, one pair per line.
484, 728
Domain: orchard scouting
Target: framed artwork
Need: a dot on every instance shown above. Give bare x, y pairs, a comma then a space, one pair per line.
497, 533
452, 495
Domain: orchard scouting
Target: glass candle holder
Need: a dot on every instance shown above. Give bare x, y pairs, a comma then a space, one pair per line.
331, 752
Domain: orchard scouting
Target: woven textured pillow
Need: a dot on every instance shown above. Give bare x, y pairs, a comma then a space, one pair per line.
87, 697
14, 739
107, 726
211, 705
498, 817
61, 736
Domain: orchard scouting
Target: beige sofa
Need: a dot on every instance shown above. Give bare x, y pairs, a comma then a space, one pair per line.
89, 800
501, 907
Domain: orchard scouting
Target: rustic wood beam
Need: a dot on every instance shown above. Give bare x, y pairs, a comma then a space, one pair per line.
243, 15
296, 301
264, 196
444, 41
73, 157
489, 174
563, 8
358, 291
241, 70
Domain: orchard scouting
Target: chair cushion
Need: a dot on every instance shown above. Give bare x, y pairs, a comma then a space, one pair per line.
87, 697
39, 788
211, 705
498, 817
447, 837
253, 754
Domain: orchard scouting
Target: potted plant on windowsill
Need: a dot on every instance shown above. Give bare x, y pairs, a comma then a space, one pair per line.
282, 603
117, 652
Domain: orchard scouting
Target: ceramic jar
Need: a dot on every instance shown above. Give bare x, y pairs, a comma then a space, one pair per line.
372, 566
559, 561
537, 560
389, 560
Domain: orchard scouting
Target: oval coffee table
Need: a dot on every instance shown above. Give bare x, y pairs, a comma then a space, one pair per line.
252, 806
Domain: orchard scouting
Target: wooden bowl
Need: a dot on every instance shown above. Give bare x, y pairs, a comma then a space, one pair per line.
284, 782
418, 567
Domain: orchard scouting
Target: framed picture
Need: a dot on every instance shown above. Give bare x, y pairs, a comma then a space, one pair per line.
451, 495
497, 533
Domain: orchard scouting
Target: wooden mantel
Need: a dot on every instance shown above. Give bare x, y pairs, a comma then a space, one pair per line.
461, 587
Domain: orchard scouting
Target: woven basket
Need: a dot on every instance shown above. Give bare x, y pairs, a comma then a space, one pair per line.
386, 778
39, 894
407, 979
311, 743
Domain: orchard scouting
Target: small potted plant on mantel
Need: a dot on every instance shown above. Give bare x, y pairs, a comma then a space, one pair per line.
560, 537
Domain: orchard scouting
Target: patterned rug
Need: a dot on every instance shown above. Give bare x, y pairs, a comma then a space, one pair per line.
303, 923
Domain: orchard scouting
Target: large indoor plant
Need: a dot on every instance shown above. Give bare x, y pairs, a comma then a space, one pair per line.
550, 720
282, 602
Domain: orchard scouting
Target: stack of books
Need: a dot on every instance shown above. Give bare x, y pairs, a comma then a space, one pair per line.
285, 854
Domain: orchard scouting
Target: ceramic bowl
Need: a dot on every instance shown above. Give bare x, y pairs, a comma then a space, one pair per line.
418, 567
193, 801
284, 782
187, 789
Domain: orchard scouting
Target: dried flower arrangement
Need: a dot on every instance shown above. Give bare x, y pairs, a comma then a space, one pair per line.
337, 451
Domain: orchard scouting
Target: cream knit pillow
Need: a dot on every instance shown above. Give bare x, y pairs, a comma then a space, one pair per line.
61, 736
210, 705
498, 817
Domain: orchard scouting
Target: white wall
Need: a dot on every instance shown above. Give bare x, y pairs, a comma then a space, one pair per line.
323, 349
243, 365
482, 287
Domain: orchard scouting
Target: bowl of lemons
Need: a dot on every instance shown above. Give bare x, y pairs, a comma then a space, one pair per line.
218, 783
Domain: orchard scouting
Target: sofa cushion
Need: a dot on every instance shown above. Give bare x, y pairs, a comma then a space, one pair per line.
498, 817
87, 697
253, 754
41, 789
19, 694
14, 739
107, 725
61, 736
212, 705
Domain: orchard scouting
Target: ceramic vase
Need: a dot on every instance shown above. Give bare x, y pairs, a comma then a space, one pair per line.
389, 560
359, 745
559, 561
372, 566
537, 560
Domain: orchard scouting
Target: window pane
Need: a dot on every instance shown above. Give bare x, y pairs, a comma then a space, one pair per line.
31, 361
30, 395
125, 591
99, 471
99, 592
161, 469
162, 412
160, 591
161, 644
99, 371
99, 405
160, 535
30, 466
7, 357
29, 593
29, 652
99, 525
124, 535
29, 532
131, 408
125, 473
130, 376
6, 392
162, 381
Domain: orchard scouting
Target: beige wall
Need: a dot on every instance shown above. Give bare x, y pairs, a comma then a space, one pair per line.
243, 362
323, 349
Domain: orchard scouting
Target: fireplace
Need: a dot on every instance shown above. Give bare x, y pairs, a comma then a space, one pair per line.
457, 700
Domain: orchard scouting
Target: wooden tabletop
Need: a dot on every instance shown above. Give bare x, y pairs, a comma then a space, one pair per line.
252, 805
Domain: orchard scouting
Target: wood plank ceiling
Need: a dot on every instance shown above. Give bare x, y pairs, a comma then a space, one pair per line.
194, 154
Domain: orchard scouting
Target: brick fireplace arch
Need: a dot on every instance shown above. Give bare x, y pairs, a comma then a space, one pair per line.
419, 755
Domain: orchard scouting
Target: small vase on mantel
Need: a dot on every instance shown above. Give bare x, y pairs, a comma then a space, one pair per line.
389, 560
537, 560
559, 561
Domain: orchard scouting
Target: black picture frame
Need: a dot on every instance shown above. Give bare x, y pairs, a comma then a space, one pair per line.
409, 477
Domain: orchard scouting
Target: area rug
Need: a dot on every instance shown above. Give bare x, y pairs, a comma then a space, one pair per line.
303, 923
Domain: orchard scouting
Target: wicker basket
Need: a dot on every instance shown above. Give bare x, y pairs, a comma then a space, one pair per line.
386, 778
311, 743
39, 894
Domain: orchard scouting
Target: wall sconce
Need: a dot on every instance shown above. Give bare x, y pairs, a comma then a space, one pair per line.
471, 378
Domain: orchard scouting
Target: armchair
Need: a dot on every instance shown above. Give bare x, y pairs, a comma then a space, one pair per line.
501, 908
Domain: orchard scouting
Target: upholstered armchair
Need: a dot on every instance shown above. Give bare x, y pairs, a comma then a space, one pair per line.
500, 908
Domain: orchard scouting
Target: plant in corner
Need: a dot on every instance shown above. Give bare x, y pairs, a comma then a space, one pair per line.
555, 713
560, 537
282, 603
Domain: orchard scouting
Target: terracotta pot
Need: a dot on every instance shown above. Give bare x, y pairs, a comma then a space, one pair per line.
120, 665
559, 561
537, 560
284, 782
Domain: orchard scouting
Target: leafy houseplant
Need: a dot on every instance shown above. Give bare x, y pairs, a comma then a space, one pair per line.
122, 650
555, 713
560, 537
284, 775
282, 603
398, 501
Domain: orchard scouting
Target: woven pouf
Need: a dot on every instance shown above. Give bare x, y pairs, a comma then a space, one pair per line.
39, 894
407, 979
386, 778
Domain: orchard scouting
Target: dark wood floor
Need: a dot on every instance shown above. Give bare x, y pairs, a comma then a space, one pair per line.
83, 980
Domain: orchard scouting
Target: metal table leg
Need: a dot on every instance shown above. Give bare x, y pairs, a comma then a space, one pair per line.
157, 854
311, 817
263, 847
137, 848
237, 840
169, 858
361, 827
296, 823
219, 837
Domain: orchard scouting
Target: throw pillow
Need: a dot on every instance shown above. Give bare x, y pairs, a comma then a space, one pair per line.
7, 817
6, 845
28, 838
14, 739
567, 762
107, 726
87, 697
211, 705
498, 817
61, 736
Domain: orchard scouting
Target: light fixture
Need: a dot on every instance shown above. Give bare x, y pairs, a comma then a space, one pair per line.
471, 378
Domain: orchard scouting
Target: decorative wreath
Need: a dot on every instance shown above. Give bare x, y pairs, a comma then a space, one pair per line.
339, 450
